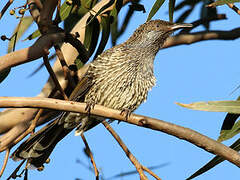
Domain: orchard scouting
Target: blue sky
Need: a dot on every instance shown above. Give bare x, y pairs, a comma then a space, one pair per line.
203, 71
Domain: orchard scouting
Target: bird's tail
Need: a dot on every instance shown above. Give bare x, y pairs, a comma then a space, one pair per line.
39, 146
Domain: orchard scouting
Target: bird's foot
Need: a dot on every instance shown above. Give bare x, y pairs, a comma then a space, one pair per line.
90, 105
126, 112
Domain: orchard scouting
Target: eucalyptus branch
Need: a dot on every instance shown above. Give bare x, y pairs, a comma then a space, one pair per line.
201, 36
187, 134
38, 49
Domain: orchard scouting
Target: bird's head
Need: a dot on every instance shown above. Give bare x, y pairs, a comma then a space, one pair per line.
155, 32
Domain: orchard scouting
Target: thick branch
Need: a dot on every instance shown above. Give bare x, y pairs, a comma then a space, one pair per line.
189, 135
37, 50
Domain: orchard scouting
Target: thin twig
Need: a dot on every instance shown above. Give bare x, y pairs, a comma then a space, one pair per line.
150, 172
203, 20
5, 161
126, 150
234, 8
30, 129
14, 173
4, 9
91, 156
65, 68
53, 76
187, 134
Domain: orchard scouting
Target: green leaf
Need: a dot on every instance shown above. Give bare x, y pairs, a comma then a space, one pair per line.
110, 3
91, 35
171, 5
215, 106
215, 161
114, 26
34, 35
137, 7
105, 23
155, 8
65, 11
227, 134
4, 74
222, 2
229, 121
78, 63
23, 25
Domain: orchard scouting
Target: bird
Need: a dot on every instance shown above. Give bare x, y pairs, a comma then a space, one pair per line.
119, 78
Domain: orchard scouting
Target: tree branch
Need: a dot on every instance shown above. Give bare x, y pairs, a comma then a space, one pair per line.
201, 36
38, 49
187, 134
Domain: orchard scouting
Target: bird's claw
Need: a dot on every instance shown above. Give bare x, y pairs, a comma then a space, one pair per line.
90, 105
126, 112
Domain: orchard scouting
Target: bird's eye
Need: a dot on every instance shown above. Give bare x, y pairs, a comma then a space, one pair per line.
158, 25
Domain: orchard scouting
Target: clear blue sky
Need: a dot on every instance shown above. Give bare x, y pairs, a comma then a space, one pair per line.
203, 71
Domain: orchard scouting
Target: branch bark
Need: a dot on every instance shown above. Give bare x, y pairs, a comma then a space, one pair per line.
201, 36
187, 134
38, 49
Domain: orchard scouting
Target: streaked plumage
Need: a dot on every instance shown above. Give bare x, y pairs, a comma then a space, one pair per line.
119, 78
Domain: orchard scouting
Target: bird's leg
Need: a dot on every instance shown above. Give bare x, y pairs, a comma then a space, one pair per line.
90, 105
126, 112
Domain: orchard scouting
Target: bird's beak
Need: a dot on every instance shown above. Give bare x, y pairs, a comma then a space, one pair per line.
177, 26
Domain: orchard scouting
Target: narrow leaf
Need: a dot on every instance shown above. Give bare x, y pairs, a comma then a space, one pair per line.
227, 134
34, 35
215, 106
91, 36
114, 25
65, 11
105, 23
215, 161
20, 30
4, 74
155, 8
171, 5
229, 120
110, 3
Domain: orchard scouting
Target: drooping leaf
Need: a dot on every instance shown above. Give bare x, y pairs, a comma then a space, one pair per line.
34, 35
215, 106
126, 20
24, 24
105, 24
155, 8
215, 161
229, 120
114, 25
78, 63
184, 15
4, 74
65, 11
110, 3
171, 5
135, 6
222, 2
207, 13
182, 4
227, 134
91, 35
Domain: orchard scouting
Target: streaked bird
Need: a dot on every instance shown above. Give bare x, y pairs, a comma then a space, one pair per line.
119, 78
